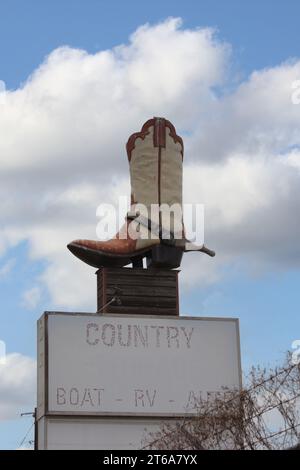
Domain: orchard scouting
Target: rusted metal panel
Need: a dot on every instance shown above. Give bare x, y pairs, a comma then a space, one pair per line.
137, 290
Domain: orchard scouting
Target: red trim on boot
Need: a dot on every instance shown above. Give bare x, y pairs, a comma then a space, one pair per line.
159, 139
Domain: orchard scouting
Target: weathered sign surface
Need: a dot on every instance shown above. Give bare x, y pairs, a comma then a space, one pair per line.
131, 365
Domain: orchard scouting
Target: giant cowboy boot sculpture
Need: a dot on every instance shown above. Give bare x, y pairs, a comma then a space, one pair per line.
154, 225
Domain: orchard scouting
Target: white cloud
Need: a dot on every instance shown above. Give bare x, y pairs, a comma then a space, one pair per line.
62, 151
31, 297
17, 386
6, 268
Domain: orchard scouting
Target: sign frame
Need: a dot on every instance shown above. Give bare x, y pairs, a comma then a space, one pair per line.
43, 365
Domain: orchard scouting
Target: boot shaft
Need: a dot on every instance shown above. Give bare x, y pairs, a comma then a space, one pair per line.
155, 157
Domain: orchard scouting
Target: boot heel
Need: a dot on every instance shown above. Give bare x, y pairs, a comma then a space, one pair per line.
163, 256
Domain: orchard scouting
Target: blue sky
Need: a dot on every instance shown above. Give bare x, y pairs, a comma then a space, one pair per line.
262, 35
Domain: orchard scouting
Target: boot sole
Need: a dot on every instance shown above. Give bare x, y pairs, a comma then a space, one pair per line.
159, 256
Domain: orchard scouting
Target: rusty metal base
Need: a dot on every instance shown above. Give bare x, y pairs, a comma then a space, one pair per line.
137, 291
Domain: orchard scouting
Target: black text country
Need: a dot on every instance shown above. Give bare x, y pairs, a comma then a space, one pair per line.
139, 336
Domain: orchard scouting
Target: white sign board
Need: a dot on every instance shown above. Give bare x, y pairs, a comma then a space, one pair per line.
133, 365
95, 434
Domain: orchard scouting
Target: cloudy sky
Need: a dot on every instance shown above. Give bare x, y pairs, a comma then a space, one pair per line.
80, 77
